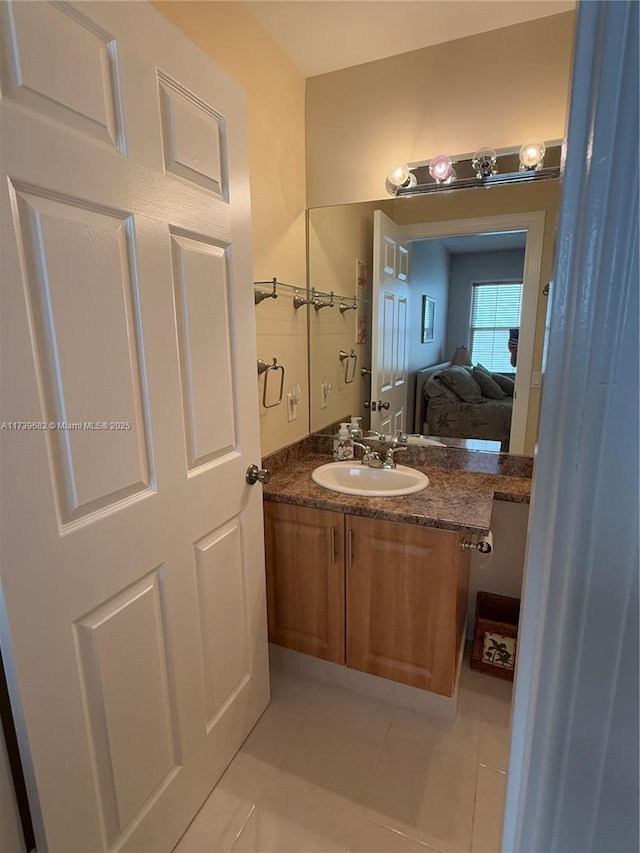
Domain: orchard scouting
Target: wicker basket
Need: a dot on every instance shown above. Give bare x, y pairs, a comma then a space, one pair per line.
495, 635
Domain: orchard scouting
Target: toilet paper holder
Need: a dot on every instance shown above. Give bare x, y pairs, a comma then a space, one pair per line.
484, 545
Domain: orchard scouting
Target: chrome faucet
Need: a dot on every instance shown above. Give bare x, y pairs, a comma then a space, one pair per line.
389, 461
373, 459
369, 457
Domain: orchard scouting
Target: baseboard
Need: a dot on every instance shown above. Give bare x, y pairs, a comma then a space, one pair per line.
443, 707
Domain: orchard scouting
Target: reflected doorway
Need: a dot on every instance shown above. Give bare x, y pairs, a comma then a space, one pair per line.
463, 376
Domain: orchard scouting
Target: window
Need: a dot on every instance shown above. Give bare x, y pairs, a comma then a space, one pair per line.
495, 308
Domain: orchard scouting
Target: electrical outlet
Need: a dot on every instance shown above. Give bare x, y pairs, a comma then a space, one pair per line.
293, 398
325, 390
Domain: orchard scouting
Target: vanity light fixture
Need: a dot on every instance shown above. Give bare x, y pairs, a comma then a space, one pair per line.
534, 161
441, 169
532, 155
484, 162
400, 176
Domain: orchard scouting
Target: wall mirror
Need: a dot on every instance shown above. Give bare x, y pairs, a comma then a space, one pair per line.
483, 258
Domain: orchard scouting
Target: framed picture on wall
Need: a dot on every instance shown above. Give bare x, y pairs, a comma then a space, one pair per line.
428, 318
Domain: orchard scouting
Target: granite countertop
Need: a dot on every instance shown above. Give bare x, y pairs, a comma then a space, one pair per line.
453, 500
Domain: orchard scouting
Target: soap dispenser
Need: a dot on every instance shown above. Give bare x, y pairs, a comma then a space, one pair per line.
355, 429
343, 447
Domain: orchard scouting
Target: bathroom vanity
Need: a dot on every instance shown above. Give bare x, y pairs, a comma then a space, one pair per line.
379, 596
377, 584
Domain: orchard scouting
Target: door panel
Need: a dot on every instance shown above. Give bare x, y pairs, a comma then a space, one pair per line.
403, 262
203, 324
405, 588
391, 278
81, 92
224, 621
125, 673
132, 611
192, 136
305, 579
81, 262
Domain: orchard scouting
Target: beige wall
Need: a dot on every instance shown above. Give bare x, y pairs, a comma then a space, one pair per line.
338, 238
275, 92
502, 571
498, 88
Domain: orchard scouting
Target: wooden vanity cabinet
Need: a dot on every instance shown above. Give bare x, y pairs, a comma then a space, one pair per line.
304, 555
407, 590
397, 592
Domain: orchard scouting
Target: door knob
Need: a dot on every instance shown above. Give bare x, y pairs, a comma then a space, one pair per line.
382, 405
254, 474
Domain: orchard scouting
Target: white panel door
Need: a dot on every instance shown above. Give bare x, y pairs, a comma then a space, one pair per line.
132, 615
391, 279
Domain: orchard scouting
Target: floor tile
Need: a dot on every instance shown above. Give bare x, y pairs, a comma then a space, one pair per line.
274, 731
497, 711
224, 813
371, 838
363, 683
489, 811
293, 686
335, 757
330, 769
355, 709
494, 745
424, 792
288, 820
460, 737
487, 685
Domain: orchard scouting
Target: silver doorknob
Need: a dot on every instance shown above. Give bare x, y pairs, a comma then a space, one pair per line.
382, 405
254, 474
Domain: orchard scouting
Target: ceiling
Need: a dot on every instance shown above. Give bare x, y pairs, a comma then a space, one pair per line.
320, 36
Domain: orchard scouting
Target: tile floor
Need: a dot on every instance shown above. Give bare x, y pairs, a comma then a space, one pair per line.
326, 769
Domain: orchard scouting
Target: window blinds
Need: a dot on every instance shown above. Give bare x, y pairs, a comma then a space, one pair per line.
495, 308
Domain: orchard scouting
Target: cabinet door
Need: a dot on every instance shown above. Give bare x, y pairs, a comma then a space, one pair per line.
406, 602
305, 579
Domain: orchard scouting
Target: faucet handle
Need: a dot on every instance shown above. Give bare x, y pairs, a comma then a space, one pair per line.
389, 461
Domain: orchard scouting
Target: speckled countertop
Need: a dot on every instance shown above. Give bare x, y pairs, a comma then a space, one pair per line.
453, 500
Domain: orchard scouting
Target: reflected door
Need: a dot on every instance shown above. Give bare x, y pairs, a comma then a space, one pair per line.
390, 297
132, 571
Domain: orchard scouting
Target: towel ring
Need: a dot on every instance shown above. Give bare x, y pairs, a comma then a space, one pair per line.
347, 357
266, 368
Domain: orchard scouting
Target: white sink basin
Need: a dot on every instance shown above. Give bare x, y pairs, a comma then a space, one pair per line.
353, 478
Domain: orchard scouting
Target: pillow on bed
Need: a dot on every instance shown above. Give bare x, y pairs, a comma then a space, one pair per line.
505, 383
488, 385
435, 388
462, 383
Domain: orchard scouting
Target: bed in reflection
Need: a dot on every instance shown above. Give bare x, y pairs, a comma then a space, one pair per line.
459, 402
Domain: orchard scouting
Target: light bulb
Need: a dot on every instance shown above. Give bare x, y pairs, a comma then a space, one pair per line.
484, 162
441, 169
400, 176
532, 154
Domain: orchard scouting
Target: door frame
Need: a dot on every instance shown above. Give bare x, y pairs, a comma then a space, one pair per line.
533, 223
